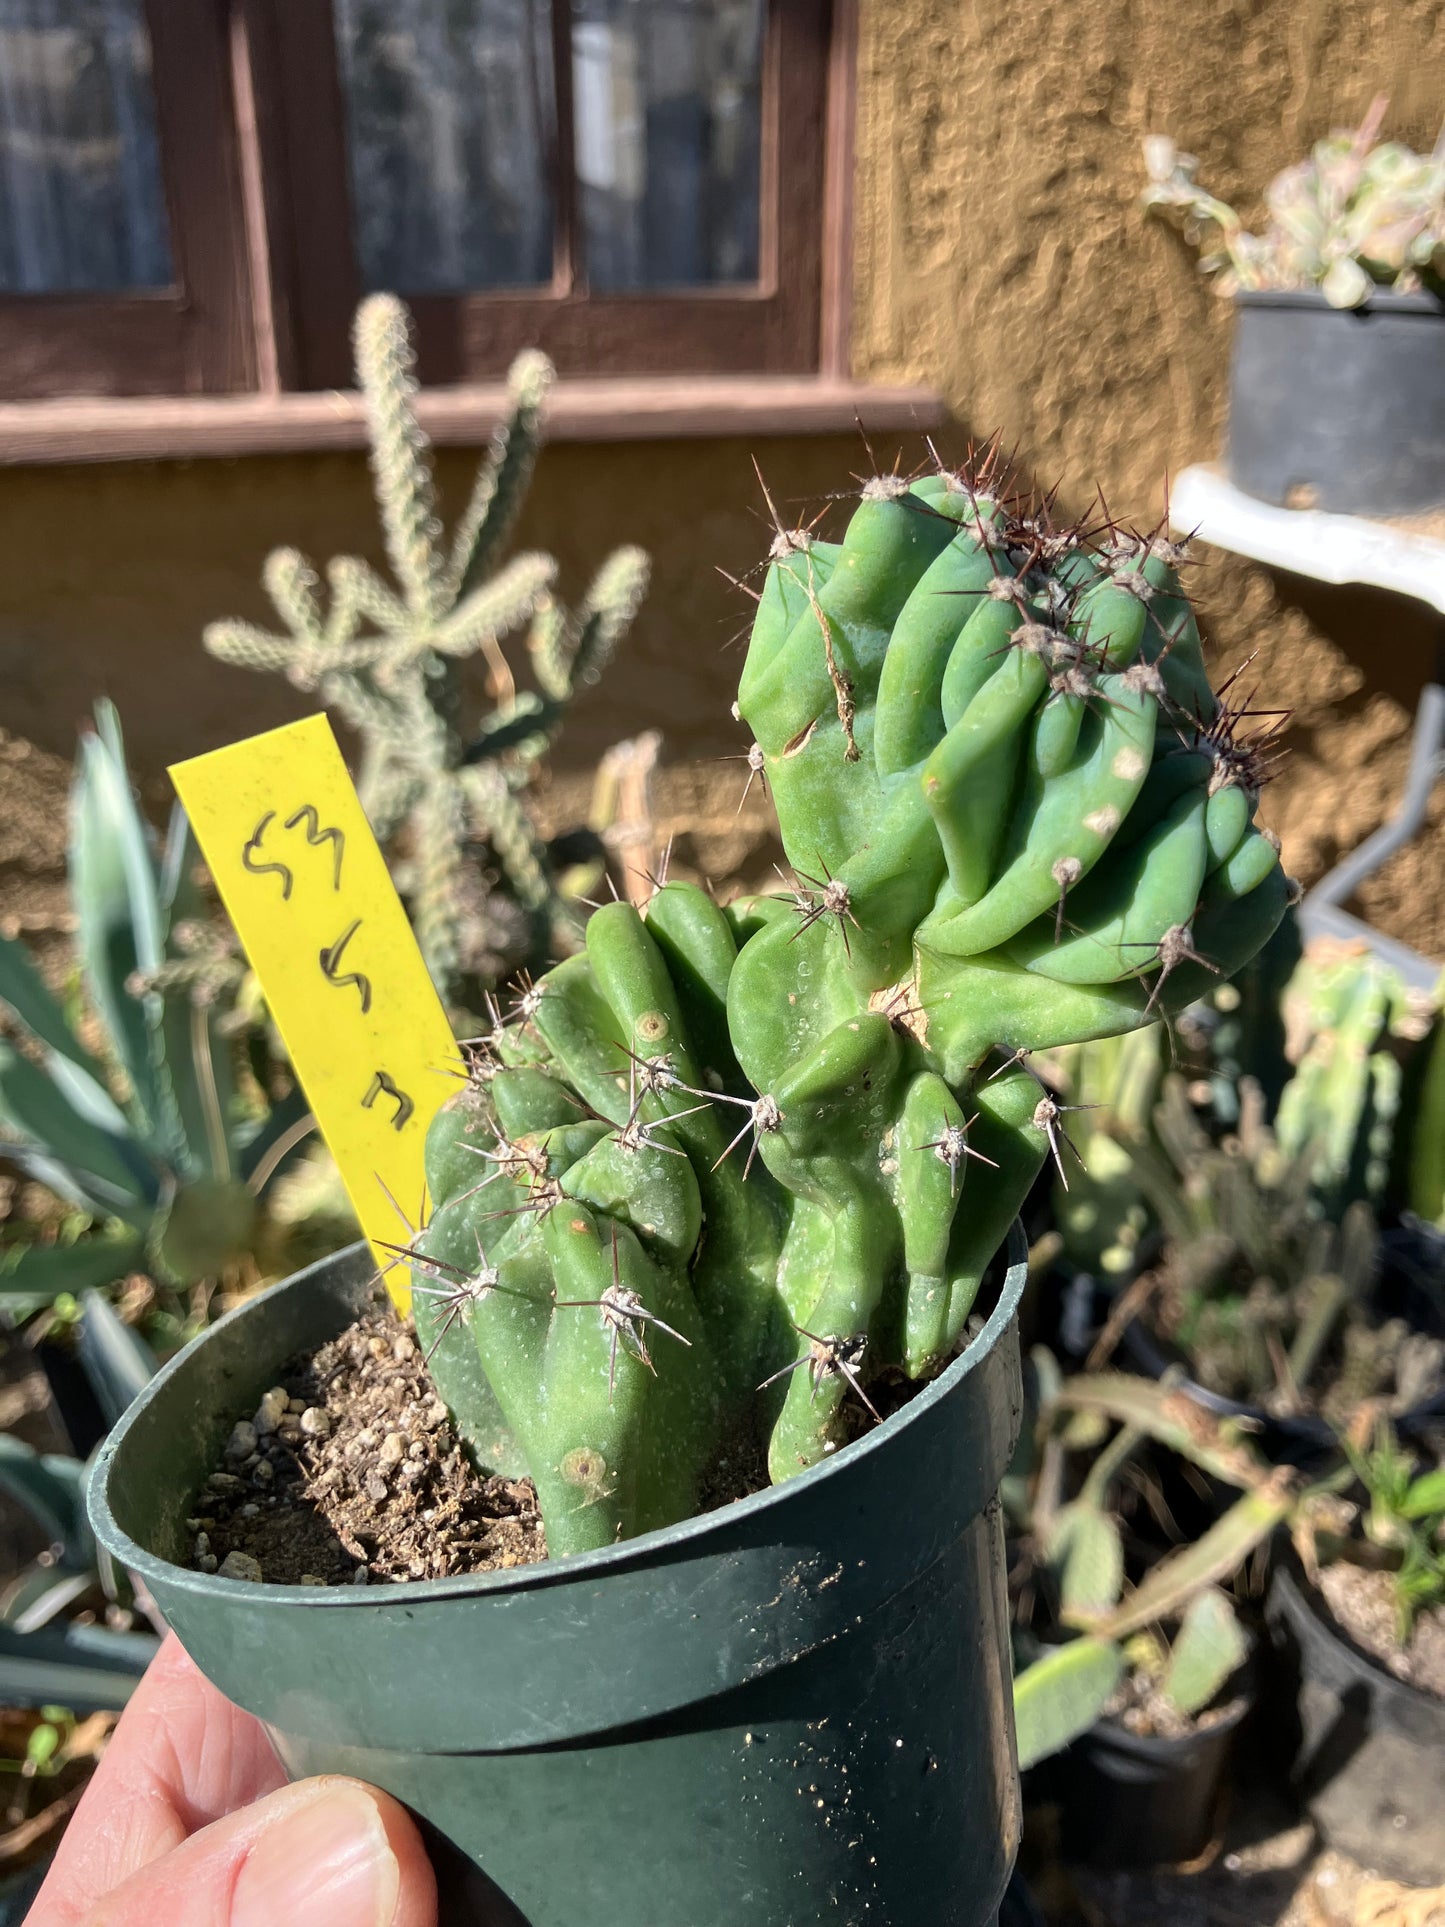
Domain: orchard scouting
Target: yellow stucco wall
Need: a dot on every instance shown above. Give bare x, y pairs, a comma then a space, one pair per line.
1000, 255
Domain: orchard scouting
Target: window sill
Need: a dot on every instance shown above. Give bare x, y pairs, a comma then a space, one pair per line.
621, 409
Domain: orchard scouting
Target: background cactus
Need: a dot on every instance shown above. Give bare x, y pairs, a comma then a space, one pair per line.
729, 1171
1351, 218
1351, 1023
1265, 1290
1098, 1207
390, 662
1267, 1280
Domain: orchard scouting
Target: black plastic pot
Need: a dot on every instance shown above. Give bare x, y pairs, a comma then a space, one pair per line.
1301, 1441
1130, 1800
1371, 1760
72, 1395
1019, 1908
1286, 1441
795, 1709
1338, 408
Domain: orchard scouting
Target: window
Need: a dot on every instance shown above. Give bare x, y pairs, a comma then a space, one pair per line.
111, 279
195, 193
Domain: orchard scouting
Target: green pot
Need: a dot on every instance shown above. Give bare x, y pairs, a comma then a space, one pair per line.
796, 1709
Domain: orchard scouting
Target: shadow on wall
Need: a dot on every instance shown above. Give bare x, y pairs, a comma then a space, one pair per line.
1351, 662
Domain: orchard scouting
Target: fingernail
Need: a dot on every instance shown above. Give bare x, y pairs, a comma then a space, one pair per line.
325, 1859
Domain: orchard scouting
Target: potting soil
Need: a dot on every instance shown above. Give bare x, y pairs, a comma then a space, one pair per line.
349, 1471
1363, 1605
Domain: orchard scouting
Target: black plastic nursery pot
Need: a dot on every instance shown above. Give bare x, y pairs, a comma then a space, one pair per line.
1301, 1440
1371, 1761
794, 1709
1338, 408
1141, 1800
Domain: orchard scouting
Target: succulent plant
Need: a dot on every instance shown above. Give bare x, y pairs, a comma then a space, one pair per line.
1265, 1283
1425, 1143
1162, 1650
1353, 217
1397, 1525
152, 1139
1350, 1022
54, 1645
728, 1171
1098, 1207
390, 662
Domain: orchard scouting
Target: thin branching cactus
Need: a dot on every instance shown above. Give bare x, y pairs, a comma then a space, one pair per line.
737, 1172
389, 659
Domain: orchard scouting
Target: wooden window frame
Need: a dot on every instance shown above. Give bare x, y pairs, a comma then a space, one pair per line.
250, 117
193, 337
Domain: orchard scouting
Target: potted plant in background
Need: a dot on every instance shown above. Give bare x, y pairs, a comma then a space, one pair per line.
1337, 381
712, 1216
1359, 1612
1266, 1300
1267, 1277
73, 1640
1134, 1697
134, 1101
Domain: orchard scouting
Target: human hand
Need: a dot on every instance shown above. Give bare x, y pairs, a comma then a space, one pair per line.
189, 1822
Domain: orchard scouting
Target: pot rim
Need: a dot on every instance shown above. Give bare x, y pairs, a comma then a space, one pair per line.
1241, 1702
1162, 1745
1151, 1359
1385, 300
547, 1572
1291, 1584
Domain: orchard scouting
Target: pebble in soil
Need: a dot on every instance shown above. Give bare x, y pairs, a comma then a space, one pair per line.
349, 1471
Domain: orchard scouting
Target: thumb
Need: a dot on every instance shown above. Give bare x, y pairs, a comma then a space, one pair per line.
330, 1851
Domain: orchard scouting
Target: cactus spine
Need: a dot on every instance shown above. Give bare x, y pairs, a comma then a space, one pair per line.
729, 1168
389, 660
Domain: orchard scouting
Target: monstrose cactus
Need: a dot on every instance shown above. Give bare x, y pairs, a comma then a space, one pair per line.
723, 1173
389, 661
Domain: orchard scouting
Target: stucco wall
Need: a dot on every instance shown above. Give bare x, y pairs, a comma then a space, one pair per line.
1000, 254
111, 573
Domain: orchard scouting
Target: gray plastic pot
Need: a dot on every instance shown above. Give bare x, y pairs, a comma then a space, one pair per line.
793, 1710
1371, 1763
1338, 408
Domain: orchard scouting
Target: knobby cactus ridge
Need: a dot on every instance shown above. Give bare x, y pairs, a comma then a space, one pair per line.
730, 1169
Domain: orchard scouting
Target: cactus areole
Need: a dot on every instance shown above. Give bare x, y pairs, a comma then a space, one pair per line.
717, 1189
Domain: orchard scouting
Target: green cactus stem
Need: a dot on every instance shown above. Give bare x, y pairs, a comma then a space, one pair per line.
726, 1170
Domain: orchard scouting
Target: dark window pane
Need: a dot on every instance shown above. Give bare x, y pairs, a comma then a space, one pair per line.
449, 118
667, 134
81, 202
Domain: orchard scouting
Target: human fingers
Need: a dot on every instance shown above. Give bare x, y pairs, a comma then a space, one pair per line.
181, 1757
331, 1851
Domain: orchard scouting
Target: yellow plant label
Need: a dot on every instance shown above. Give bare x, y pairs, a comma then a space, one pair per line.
285, 837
